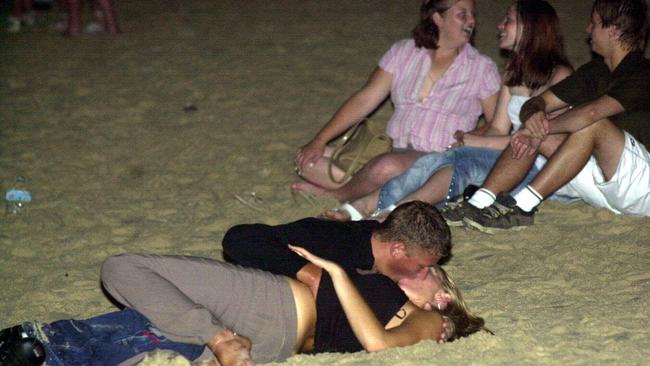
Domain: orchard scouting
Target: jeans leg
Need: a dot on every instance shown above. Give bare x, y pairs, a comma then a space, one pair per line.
107, 339
414, 178
471, 166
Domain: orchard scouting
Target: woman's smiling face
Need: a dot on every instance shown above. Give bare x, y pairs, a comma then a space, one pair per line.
509, 30
456, 24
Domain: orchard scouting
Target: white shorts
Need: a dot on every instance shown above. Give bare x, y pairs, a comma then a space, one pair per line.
628, 192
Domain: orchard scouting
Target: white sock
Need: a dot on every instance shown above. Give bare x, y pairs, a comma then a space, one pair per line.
482, 198
528, 198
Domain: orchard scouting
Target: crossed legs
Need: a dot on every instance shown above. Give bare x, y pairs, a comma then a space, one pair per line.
567, 154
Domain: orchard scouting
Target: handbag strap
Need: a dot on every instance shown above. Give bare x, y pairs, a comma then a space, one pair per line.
339, 148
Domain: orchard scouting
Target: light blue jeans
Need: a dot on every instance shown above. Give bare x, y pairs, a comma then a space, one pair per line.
471, 166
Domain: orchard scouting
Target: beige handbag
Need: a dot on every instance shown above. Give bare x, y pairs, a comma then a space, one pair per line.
356, 147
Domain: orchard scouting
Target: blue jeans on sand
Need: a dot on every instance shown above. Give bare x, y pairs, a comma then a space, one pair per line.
471, 166
104, 340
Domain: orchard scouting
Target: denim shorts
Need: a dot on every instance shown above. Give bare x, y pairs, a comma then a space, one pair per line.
471, 166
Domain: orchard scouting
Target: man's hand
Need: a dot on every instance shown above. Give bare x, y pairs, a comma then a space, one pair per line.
524, 144
537, 125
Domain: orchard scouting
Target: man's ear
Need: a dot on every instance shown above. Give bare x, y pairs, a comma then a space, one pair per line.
397, 249
614, 32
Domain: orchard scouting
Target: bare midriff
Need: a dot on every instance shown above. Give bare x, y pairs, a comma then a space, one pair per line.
305, 314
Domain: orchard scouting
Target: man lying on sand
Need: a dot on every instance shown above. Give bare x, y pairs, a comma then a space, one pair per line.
411, 239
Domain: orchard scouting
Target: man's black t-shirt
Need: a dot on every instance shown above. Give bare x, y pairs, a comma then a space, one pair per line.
629, 84
265, 247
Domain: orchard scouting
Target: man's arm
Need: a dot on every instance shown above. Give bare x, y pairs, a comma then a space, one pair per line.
585, 115
537, 126
534, 112
545, 103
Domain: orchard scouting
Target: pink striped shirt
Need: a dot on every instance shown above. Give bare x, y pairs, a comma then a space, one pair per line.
454, 102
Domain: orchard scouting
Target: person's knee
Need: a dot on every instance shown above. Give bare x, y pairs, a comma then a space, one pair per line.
115, 268
602, 135
384, 169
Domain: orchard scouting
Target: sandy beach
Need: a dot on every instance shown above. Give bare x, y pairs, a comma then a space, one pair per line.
149, 142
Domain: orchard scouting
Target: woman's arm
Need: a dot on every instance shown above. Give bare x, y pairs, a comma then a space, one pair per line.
497, 133
369, 331
488, 105
358, 106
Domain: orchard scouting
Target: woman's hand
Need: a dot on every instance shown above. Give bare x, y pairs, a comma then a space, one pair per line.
231, 348
459, 135
325, 264
309, 154
523, 143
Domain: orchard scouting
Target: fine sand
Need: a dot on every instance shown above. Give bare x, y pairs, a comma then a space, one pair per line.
116, 162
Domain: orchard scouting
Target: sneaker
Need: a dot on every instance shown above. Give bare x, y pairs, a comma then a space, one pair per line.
502, 215
8, 335
454, 211
17, 348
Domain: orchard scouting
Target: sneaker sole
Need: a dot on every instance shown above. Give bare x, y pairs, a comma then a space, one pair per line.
490, 230
455, 223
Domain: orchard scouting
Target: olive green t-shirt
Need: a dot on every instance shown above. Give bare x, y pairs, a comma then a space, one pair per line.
629, 84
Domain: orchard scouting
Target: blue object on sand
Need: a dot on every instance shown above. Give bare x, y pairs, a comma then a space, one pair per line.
17, 195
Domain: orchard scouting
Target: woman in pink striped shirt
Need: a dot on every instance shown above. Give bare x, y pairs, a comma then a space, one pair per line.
438, 84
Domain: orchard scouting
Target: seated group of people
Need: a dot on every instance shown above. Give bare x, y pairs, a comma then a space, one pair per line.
318, 285
549, 132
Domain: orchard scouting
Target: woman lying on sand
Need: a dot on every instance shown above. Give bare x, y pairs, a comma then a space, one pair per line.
530, 33
242, 315
437, 82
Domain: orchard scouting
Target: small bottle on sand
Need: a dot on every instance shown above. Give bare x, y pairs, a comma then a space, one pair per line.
17, 197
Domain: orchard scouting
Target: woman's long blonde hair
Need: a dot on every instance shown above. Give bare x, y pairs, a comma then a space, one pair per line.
464, 321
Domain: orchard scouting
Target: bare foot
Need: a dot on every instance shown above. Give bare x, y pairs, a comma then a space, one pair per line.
336, 215
303, 186
231, 349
